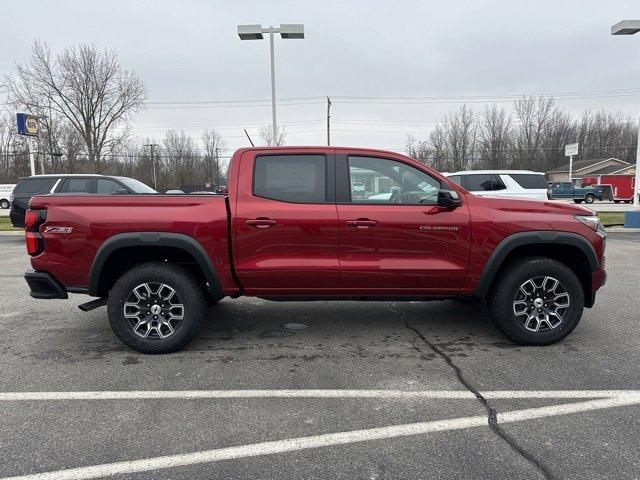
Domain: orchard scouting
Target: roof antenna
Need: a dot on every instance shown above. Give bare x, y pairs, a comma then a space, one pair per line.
247, 134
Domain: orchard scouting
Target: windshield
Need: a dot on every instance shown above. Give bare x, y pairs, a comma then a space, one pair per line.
136, 185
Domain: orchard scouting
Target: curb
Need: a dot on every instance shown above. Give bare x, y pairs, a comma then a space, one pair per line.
10, 233
622, 229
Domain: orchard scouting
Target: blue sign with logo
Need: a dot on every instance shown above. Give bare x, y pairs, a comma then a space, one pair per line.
27, 124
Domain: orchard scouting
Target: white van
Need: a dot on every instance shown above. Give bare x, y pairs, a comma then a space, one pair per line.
6, 189
523, 184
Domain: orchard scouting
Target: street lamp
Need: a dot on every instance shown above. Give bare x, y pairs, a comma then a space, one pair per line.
286, 31
630, 27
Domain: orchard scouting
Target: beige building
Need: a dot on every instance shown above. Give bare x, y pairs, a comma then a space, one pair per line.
584, 168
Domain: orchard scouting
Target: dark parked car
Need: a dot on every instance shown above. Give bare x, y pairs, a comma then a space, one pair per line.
27, 187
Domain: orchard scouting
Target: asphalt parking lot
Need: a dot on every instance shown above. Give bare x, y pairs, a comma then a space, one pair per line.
350, 390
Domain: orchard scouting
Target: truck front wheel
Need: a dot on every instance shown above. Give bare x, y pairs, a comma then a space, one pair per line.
589, 198
156, 307
537, 301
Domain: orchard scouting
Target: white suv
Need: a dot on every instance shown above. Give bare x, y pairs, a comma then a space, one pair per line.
503, 183
5, 194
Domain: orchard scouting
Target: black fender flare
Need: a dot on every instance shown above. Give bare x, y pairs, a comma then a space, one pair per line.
508, 244
153, 239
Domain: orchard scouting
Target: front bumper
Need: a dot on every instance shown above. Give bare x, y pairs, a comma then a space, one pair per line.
44, 286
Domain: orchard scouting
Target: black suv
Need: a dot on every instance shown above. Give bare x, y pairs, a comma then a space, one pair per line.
27, 187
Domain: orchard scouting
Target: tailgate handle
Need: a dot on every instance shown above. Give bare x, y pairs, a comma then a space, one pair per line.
260, 222
361, 223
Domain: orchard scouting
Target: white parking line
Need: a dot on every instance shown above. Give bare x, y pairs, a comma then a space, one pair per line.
308, 393
331, 439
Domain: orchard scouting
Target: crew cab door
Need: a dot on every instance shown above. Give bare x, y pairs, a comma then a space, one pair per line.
394, 239
285, 223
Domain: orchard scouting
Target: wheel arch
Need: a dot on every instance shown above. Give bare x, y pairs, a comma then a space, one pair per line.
571, 249
122, 251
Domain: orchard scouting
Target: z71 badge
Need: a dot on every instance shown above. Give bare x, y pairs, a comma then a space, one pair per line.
58, 229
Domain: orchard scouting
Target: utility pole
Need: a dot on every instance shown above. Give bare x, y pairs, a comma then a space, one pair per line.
328, 121
153, 162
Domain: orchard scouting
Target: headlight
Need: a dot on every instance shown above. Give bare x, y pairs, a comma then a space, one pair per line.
591, 221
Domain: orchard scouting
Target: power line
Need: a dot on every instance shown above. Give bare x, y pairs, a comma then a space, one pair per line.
306, 100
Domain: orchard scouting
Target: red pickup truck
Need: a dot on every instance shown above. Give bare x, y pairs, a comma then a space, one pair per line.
303, 223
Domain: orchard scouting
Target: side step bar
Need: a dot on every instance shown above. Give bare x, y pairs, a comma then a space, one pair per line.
98, 302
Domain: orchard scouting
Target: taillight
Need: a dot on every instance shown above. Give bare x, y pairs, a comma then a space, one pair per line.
32, 221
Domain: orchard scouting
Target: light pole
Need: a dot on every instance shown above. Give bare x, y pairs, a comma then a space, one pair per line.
153, 163
630, 27
254, 32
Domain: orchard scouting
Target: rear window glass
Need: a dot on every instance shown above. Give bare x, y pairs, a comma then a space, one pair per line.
107, 187
291, 178
530, 180
32, 186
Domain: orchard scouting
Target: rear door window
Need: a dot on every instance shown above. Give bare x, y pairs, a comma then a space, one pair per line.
530, 180
480, 182
34, 186
77, 185
291, 178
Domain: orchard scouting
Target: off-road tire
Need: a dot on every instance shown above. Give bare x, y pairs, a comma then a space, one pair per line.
188, 290
503, 294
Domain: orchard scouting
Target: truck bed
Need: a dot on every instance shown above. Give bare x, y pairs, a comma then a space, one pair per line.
93, 219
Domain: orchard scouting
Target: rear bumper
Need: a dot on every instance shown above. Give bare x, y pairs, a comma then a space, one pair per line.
44, 286
16, 215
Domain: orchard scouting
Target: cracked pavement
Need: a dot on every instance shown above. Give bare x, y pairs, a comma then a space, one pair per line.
52, 346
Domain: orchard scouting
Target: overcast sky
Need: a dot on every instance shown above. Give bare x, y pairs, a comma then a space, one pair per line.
189, 51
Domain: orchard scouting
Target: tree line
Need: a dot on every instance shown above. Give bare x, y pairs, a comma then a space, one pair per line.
531, 136
85, 101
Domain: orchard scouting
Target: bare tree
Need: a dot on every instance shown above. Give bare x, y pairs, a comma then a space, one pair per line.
180, 160
534, 116
495, 137
85, 86
419, 150
213, 148
440, 159
266, 133
460, 134
604, 134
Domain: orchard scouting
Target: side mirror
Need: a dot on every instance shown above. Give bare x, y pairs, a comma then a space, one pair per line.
449, 199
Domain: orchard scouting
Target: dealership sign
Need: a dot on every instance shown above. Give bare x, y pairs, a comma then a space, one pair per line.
570, 150
27, 124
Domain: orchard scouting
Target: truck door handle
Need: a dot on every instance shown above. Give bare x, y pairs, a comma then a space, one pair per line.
260, 222
361, 223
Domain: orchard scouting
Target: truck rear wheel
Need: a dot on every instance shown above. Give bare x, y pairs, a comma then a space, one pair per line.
537, 301
589, 198
156, 307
